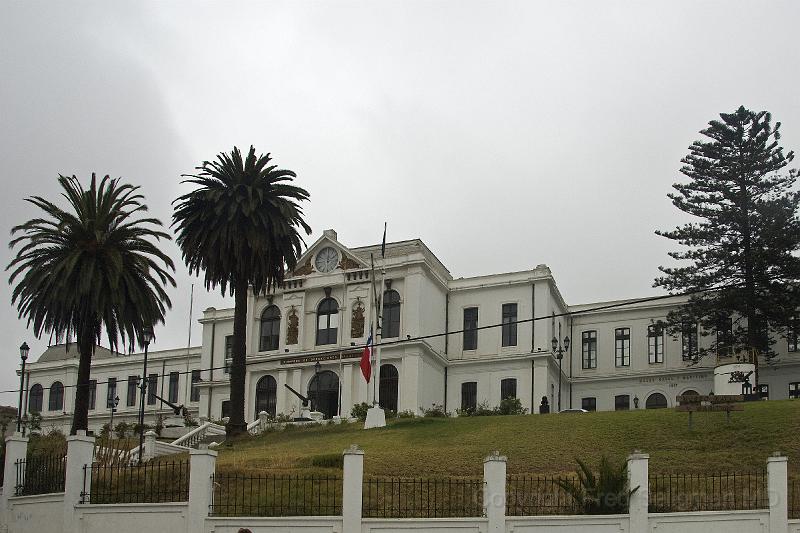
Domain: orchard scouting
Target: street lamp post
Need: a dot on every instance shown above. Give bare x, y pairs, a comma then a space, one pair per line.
147, 335
23, 354
559, 347
114, 404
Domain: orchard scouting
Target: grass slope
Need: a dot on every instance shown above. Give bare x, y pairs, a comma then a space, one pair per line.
537, 444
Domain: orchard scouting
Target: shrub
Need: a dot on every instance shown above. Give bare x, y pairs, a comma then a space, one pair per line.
434, 411
360, 411
121, 430
408, 413
511, 406
105, 431
604, 493
327, 460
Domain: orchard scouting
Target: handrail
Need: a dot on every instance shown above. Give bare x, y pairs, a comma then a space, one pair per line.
199, 432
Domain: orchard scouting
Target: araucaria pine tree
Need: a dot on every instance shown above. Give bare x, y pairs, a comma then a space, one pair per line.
740, 252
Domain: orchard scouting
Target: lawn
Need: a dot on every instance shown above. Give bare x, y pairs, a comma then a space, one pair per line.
536, 444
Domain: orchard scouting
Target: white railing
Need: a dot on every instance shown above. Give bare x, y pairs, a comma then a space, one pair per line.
198, 434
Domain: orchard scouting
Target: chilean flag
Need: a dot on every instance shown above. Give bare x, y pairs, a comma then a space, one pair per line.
366, 364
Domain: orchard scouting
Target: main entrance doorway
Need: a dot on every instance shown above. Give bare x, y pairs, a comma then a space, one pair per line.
323, 390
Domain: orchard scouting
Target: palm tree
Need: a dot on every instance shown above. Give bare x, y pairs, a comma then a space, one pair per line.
241, 227
88, 269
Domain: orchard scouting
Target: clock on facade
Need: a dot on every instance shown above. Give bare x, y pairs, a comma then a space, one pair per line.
327, 260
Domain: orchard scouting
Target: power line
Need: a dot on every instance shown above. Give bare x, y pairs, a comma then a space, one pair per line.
437, 335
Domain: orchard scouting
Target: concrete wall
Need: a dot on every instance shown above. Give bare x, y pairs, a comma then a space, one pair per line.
42, 512
133, 518
440, 525
300, 524
711, 522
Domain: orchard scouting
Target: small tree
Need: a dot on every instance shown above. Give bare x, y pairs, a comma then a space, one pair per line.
741, 247
607, 492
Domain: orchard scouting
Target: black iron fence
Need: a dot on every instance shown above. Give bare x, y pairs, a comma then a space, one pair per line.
237, 494
40, 475
422, 498
794, 499
540, 495
151, 482
723, 491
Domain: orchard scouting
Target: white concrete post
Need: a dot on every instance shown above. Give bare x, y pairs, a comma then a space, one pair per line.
202, 464
80, 453
778, 490
494, 491
149, 451
263, 420
638, 482
352, 481
16, 449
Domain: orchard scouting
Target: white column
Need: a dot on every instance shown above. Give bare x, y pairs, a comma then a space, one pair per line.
352, 480
541, 385
80, 452
494, 492
410, 382
778, 490
16, 450
202, 464
347, 389
280, 399
637, 482
149, 451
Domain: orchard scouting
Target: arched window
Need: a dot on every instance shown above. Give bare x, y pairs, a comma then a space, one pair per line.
270, 329
327, 321
691, 392
323, 391
388, 387
508, 388
35, 399
391, 315
656, 401
266, 395
56, 400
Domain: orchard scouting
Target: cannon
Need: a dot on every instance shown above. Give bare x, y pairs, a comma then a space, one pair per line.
304, 412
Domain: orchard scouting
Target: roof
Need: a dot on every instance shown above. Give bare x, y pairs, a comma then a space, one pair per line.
62, 352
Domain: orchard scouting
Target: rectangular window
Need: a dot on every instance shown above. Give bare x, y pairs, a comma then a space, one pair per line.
724, 336
622, 346
228, 353
225, 409
92, 393
589, 349
152, 387
508, 388
655, 343
689, 346
194, 395
509, 324
173, 387
471, 328
763, 391
794, 390
622, 402
111, 392
469, 396
133, 385
791, 334
589, 404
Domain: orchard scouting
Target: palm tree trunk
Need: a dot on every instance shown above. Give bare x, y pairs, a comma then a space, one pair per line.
80, 417
237, 424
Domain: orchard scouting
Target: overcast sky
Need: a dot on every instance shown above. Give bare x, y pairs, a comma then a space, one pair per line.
503, 134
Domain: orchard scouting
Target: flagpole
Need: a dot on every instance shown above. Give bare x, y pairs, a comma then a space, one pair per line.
373, 318
379, 334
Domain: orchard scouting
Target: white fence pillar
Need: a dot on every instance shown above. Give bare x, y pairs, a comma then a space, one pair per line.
352, 481
202, 464
16, 449
80, 453
494, 491
149, 451
778, 489
640, 499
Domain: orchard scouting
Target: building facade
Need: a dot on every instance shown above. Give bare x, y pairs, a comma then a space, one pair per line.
456, 343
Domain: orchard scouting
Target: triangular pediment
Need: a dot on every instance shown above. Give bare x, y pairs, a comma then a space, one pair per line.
347, 260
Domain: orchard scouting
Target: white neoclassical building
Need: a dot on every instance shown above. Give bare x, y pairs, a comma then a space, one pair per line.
439, 347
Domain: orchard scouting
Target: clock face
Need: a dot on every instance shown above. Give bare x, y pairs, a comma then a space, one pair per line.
327, 260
